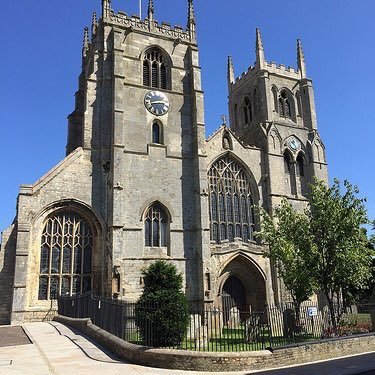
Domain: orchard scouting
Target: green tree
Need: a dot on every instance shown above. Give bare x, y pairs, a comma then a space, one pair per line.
161, 313
328, 241
341, 259
289, 241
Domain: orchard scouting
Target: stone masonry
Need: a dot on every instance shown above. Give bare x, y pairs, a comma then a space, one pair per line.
117, 170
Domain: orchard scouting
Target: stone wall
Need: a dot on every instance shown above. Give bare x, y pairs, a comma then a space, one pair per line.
7, 259
220, 362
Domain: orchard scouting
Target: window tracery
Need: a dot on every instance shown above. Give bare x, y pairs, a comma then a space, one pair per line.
65, 256
156, 227
155, 69
231, 202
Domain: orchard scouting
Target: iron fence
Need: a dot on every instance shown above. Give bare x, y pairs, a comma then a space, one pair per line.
215, 329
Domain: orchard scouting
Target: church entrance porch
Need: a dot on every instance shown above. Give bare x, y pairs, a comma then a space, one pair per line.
241, 287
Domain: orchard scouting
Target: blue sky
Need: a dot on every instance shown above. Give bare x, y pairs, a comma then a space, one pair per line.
41, 58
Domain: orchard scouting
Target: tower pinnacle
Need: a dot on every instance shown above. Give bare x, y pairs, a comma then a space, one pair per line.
301, 59
94, 24
259, 49
151, 10
191, 20
230, 74
106, 7
85, 41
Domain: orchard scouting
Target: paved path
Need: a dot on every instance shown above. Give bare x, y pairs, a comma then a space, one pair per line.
58, 350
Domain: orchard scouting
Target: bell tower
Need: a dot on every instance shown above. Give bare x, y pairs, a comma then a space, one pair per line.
139, 110
272, 108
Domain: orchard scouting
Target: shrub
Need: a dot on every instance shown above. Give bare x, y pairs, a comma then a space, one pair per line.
161, 313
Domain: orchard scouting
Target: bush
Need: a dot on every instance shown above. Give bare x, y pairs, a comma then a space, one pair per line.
161, 313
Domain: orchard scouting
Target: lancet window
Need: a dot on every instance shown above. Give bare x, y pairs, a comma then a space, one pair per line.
156, 227
301, 175
247, 111
156, 133
65, 256
231, 202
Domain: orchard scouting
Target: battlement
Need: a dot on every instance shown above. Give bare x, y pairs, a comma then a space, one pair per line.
270, 67
135, 22
281, 69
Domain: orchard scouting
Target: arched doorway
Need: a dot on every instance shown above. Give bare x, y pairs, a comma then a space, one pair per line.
242, 285
233, 294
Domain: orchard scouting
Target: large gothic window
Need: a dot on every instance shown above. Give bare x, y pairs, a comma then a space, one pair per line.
65, 256
155, 69
156, 227
231, 202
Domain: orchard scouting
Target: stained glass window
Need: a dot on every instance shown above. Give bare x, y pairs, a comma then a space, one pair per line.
65, 256
156, 227
231, 203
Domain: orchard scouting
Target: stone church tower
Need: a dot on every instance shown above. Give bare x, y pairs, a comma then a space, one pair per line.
140, 182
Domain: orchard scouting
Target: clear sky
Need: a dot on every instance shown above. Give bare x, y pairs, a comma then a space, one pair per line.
41, 58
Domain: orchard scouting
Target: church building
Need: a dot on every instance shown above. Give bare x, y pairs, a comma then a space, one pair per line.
141, 182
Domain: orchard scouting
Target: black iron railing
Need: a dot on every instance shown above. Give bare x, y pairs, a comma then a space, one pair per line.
213, 329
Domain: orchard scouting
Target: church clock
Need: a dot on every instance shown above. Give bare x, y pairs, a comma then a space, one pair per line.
157, 103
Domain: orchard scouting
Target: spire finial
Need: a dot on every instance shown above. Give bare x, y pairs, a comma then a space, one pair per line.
259, 49
151, 10
301, 59
85, 41
230, 74
94, 24
224, 119
106, 7
191, 20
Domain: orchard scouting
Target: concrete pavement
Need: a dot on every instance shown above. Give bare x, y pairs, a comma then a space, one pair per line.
58, 350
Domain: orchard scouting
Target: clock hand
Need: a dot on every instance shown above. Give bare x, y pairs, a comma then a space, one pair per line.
158, 102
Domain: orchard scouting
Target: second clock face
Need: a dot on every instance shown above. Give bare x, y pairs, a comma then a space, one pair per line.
157, 103
294, 144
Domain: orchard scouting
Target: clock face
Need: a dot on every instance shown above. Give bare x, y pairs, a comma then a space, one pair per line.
294, 144
157, 103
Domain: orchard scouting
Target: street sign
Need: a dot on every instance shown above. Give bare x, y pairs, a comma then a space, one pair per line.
312, 311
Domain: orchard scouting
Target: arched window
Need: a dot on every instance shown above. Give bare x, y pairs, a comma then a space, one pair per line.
285, 109
301, 175
231, 202
156, 133
156, 227
275, 100
65, 256
247, 111
289, 173
299, 104
256, 102
155, 69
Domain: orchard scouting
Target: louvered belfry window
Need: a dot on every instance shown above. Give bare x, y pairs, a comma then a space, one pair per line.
155, 72
285, 109
65, 256
231, 202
